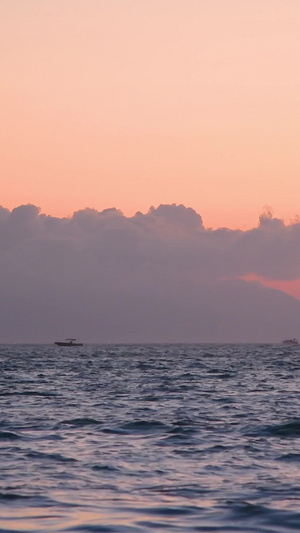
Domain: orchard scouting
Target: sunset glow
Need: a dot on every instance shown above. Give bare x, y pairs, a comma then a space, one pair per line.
132, 104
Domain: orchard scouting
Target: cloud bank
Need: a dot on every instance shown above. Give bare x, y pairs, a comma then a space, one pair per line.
155, 277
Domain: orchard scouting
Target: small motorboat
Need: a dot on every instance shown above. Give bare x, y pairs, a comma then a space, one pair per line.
68, 342
293, 342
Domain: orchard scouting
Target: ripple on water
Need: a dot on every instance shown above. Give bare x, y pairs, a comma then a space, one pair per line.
149, 438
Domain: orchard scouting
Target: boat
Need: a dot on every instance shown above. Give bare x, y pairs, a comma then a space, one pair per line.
68, 342
293, 342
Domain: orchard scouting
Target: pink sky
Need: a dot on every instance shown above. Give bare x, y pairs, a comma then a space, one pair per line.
136, 103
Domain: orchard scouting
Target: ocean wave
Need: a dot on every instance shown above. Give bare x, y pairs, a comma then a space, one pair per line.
79, 422
57, 457
9, 435
289, 430
144, 426
105, 468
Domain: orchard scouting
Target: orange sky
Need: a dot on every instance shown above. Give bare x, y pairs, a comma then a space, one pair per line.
132, 103
289, 287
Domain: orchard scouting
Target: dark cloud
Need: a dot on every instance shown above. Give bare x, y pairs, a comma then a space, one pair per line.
159, 276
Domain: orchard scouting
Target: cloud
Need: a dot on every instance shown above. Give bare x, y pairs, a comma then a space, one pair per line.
159, 276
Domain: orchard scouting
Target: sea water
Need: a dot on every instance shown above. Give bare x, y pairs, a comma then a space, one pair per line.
150, 438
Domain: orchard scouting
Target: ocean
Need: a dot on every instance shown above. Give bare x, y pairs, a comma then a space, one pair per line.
143, 438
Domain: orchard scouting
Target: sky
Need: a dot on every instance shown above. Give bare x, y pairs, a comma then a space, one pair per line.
132, 104
150, 161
